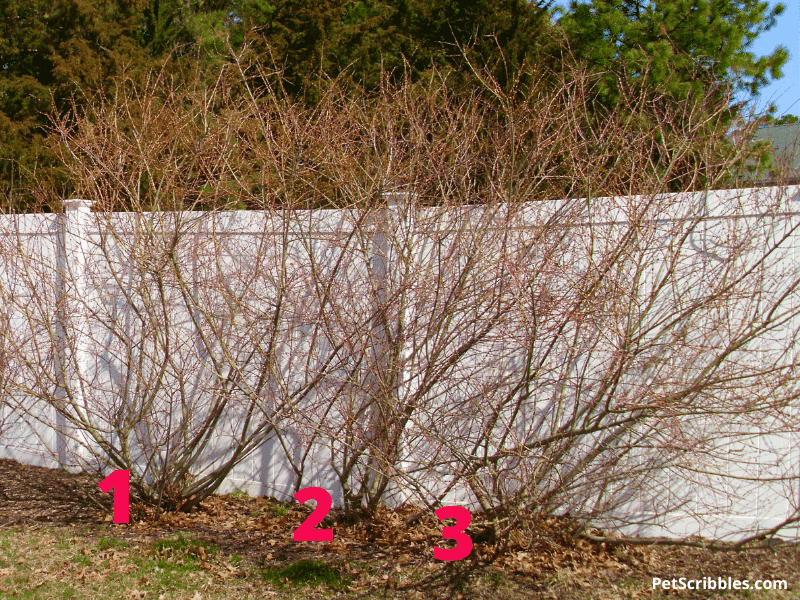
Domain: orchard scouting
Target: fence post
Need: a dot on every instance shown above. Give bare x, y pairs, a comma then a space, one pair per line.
383, 383
73, 332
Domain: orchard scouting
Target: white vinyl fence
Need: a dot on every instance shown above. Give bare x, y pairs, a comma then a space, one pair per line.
423, 353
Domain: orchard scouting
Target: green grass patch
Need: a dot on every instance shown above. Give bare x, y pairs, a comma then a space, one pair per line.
172, 576
167, 575
110, 543
305, 572
83, 561
184, 545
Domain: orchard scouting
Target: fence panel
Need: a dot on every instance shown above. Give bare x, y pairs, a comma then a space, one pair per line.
419, 354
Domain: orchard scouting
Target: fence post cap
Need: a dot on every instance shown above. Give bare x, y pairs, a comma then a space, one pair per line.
77, 204
398, 199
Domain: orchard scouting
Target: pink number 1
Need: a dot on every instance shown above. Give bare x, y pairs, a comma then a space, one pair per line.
456, 532
119, 481
306, 531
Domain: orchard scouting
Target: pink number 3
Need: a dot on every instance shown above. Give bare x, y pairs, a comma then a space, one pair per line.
456, 532
119, 480
306, 531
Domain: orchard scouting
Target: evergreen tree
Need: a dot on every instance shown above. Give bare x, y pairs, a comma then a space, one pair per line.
369, 39
58, 52
682, 47
673, 52
51, 51
55, 53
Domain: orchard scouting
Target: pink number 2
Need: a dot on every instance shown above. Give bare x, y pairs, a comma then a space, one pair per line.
119, 480
306, 531
456, 532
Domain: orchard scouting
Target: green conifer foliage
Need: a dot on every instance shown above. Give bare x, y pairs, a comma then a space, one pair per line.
55, 54
682, 46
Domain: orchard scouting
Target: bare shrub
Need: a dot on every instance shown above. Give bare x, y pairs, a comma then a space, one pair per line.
448, 329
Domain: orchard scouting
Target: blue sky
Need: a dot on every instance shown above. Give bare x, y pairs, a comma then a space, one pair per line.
785, 92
